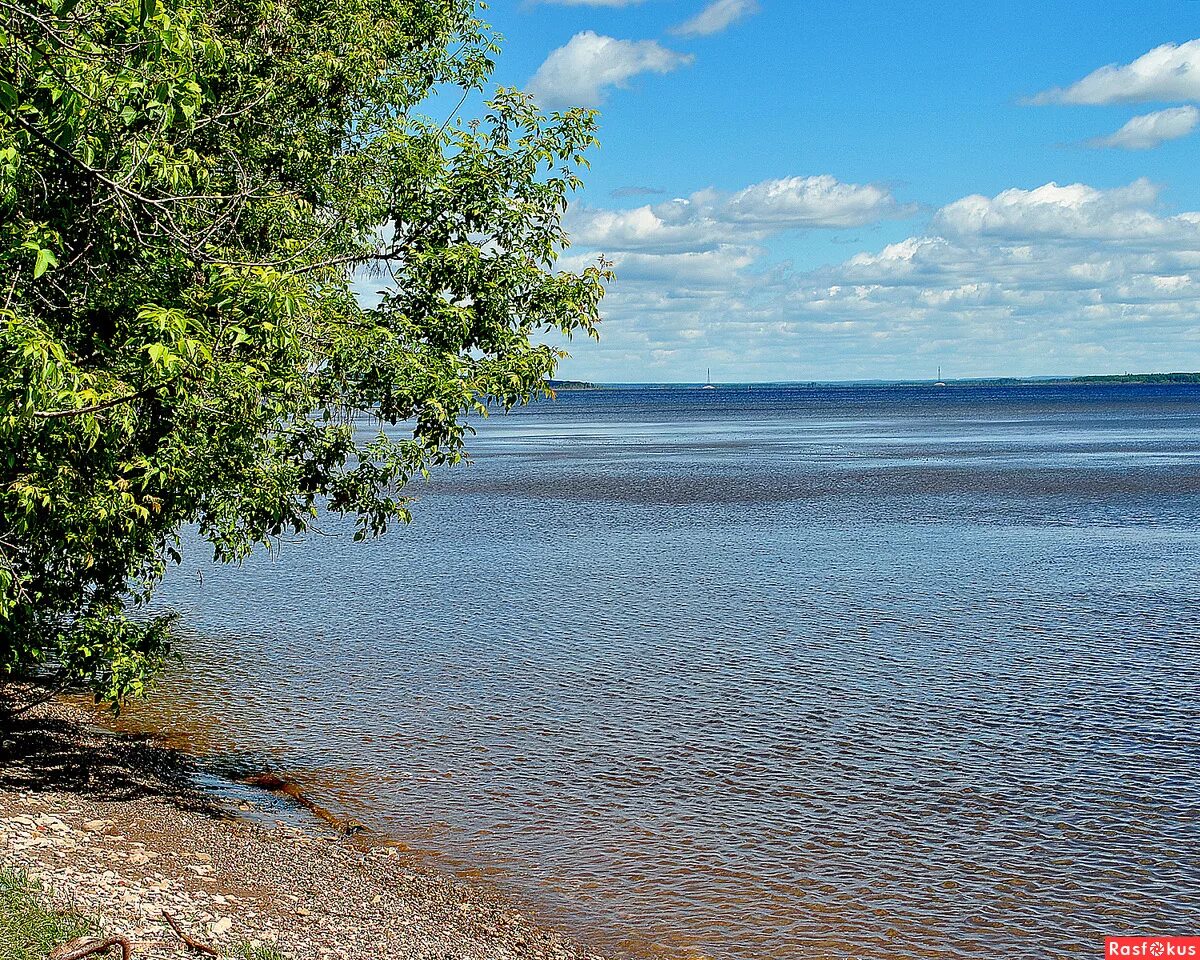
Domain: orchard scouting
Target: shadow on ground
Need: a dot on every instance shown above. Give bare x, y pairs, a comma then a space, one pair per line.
42, 750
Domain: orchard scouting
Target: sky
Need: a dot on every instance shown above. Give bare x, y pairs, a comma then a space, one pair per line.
859, 189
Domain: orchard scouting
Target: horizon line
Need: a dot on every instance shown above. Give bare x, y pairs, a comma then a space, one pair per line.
882, 380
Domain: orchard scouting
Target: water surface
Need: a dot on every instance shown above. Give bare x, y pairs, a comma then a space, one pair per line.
879, 672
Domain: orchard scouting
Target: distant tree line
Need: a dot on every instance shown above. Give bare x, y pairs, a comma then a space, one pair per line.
1141, 378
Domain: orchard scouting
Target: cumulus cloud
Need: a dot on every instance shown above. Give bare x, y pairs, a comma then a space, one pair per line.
1074, 211
658, 228
1052, 270
1151, 129
581, 72
717, 16
821, 201
1166, 73
708, 218
1051, 279
687, 270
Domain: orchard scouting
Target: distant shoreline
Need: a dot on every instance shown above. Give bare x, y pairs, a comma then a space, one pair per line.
572, 385
1120, 378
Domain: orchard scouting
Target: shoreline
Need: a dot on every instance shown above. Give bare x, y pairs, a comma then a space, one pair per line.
124, 831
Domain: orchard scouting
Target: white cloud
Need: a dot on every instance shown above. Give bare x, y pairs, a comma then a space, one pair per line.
1053, 279
1151, 129
1166, 73
821, 201
580, 73
717, 16
997, 271
644, 228
707, 219
687, 270
1076, 211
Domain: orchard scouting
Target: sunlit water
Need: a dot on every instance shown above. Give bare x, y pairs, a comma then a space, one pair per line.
878, 672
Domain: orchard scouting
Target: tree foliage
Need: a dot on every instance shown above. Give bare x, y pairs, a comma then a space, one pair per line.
188, 191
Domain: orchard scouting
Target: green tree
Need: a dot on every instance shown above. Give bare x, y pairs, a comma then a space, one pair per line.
188, 190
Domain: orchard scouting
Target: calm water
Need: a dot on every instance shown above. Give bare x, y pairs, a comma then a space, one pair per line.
880, 672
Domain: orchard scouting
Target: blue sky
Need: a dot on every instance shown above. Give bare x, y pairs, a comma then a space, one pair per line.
799, 190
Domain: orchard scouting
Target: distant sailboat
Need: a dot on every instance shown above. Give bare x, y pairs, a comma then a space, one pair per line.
708, 384
940, 381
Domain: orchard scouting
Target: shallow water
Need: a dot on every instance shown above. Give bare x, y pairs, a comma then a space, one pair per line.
877, 672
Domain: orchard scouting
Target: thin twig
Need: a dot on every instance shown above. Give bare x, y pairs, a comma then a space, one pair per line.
97, 946
194, 944
98, 407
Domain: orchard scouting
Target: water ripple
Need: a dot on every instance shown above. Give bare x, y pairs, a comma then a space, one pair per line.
776, 674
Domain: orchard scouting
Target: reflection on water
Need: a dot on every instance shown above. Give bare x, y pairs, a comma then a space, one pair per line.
880, 672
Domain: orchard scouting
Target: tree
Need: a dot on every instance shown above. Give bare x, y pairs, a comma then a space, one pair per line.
188, 190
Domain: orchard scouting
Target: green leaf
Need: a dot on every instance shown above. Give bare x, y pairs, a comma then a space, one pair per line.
45, 260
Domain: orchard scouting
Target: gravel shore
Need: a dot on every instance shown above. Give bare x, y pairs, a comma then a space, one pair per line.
120, 830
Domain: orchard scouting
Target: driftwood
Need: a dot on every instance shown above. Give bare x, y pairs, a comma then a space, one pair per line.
92, 947
274, 783
193, 944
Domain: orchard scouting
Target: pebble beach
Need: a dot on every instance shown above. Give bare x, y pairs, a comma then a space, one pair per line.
119, 830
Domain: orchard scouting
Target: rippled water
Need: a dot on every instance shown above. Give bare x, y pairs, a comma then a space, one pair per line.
762, 673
